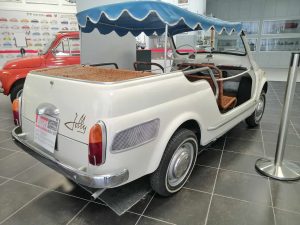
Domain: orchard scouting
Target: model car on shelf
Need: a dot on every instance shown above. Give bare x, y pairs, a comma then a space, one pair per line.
57, 52
104, 127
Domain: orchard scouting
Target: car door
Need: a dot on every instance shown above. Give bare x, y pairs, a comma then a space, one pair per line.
66, 52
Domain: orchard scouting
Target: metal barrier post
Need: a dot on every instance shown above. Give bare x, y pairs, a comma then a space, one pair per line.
278, 168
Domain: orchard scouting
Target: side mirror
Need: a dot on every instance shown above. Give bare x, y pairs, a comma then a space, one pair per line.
23, 52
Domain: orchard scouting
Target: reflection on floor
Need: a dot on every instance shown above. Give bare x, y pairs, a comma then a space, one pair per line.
224, 187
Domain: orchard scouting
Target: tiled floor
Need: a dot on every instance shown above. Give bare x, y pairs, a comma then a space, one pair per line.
224, 187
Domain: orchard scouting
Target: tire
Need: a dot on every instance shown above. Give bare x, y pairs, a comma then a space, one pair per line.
257, 115
16, 90
176, 164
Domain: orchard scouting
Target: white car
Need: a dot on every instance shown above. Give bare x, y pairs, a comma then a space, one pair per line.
104, 127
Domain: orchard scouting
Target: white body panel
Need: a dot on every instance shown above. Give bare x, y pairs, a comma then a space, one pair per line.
170, 97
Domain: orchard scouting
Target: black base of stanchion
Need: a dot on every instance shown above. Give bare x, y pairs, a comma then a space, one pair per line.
287, 171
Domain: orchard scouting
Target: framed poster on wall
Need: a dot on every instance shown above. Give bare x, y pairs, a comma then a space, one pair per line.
47, 2
281, 26
69, 2
39, 28
14, 1
183, 1
279, 44
251, 27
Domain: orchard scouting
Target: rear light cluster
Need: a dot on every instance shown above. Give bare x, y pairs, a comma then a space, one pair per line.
97, 144
16, 106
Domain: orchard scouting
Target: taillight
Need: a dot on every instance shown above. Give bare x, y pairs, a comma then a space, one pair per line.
97, 142
16, 113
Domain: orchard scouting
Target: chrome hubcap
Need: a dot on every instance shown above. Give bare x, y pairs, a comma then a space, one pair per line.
259, 108
180, 163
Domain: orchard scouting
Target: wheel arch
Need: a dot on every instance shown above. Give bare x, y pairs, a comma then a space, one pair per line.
18, 81
265, 87
187, 121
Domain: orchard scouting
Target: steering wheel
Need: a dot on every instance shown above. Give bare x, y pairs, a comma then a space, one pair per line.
190, 54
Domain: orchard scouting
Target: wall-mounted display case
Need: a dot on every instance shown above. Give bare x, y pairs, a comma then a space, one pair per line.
280, 44
281, 26
251, 27
229, 42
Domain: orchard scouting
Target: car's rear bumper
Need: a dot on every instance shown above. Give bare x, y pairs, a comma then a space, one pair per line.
78, 176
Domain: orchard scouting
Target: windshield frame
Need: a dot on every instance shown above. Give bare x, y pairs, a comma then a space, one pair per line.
46, 48
212, 52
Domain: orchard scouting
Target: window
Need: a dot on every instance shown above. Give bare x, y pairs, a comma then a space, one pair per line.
200, 41
68, 47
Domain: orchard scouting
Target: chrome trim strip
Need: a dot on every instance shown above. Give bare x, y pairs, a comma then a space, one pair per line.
77, 175
227, 121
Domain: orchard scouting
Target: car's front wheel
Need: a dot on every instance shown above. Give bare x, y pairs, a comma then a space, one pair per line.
257, 115
176, 164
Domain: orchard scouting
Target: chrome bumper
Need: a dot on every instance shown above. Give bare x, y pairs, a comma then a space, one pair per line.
78, 176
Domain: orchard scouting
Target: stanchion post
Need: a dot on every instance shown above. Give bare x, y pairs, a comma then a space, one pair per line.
278, 168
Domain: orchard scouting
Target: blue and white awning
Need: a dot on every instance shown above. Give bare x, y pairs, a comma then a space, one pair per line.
149, 17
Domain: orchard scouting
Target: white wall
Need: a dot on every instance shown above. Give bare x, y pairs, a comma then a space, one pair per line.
98, 48
196, 6
57, 6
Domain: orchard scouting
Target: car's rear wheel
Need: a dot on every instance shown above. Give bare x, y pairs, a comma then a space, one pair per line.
16, 91
176, 164
257, 115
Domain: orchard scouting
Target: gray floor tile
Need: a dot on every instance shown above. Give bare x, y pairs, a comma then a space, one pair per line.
209, 157
291, 152
4, 153
44, 176
225, 211
15, 164
149, 221
141, 205
6, 123
185, 207
286, 218
218, 144
274, 127
254, 135
13, 195
4, 135
271, 137
10, 144
2, 180
202, 178
243, 186
99, 214
244, 146
49, 208
286, 195
239, 162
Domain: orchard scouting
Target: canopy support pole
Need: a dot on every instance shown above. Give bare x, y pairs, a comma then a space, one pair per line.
166, 47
